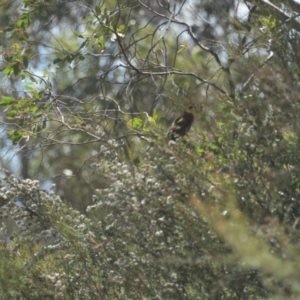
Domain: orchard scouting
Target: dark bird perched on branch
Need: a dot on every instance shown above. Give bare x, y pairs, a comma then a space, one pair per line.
182, 124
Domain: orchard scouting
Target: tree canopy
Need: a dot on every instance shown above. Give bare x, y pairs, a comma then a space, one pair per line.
96, 203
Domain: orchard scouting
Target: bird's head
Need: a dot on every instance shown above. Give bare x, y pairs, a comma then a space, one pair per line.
191, 107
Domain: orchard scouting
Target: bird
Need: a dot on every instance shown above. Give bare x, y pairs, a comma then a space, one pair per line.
182, 124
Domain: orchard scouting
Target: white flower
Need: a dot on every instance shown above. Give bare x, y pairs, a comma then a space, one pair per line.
159, 233
114, 36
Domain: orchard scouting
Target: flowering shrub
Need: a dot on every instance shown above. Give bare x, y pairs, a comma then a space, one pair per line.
153, 232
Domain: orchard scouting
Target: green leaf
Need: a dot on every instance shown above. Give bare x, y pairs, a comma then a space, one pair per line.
36, 95
183, 46
8, 70
136, 123
180, 50
200, 150
15, 135
32, 109
11, 114
80, 35
28, 87
21, 103
101, 42
22, 75
6, 100
32, 78
155, 115
297, 182
27, 2
220, 140
121, 29
23, 22
212, 146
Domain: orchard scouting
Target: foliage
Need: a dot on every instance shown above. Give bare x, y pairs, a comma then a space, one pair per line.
88, 92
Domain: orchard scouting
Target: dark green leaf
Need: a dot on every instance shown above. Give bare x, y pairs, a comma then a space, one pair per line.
82, 45
9, 28
36, 128
57, 60
44, 123
24, 37
98, 9
17, 69
25, 61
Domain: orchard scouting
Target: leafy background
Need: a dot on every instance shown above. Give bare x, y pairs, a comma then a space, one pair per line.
95, 203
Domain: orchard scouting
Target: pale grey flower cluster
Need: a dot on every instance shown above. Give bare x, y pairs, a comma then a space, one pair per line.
135, 236
22, 210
